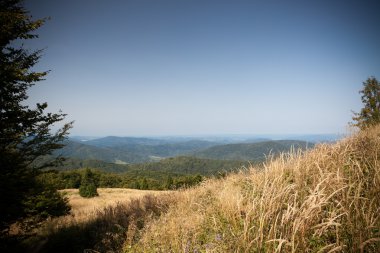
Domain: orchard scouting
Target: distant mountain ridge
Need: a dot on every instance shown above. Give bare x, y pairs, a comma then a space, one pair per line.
256, 152
180, 165
115, 141
129, 150
84, 151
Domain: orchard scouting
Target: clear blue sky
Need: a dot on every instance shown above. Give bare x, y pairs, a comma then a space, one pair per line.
158, 67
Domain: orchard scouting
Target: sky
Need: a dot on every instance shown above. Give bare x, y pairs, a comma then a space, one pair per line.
199, 67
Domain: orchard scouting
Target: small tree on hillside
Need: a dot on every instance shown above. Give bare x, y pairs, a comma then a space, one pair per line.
370, 113
25, 133
144, 184
169, 183
88, 187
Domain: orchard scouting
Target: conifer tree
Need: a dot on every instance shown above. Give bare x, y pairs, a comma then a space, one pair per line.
25, 132
370, 113
88, 187
144, 184
169, 183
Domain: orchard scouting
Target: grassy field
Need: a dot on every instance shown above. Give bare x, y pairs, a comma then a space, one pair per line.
321, 200
83, 209
103, 223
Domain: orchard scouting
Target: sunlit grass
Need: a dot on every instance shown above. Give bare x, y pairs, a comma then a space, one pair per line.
84, 208
324, 200
103, 223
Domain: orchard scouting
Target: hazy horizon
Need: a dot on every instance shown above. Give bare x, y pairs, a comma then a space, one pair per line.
242, 137
179, 68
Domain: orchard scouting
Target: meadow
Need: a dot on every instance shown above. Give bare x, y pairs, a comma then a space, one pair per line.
83, 209
101, 222
321, 200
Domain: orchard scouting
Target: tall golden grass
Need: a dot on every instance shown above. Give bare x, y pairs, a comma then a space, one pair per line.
106, 228
83, 209
323, 200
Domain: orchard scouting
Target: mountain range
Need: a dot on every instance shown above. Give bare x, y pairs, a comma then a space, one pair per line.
255, 152
131, 150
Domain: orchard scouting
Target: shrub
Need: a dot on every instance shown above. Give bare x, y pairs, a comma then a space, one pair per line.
47, 203
88, 187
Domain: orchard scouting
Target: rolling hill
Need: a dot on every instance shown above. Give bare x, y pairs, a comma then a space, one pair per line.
125, 150
82, 151
116, 141
181, 165
256, 152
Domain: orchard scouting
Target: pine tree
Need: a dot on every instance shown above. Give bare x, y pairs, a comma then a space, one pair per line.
169, 183
88, 187
144, 184
25, 133
370, 113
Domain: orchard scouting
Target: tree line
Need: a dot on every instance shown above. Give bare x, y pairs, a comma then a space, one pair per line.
76, 178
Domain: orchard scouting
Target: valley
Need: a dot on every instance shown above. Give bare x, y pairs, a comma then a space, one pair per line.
132, 150
159, 164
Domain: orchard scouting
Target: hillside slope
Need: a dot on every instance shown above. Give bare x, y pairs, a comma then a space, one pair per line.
175, 165
324, 200
73, 149
251, 151
129, 150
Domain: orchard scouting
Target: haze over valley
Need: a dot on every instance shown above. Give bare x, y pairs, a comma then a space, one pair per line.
127, 150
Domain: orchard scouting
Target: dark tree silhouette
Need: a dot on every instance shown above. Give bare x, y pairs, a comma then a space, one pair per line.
25, 133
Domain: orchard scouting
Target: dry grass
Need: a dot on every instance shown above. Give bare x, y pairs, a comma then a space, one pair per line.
101, 224
83, 209
324, 200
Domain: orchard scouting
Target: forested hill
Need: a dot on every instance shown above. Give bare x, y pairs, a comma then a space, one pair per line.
139, 150
116, 141
181, 165
130, 150
82, 151
256, 152
190, 165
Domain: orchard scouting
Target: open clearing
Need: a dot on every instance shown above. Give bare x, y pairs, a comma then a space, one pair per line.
84, 208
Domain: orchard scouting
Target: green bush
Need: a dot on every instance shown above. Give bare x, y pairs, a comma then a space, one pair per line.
46, 203
88, 187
